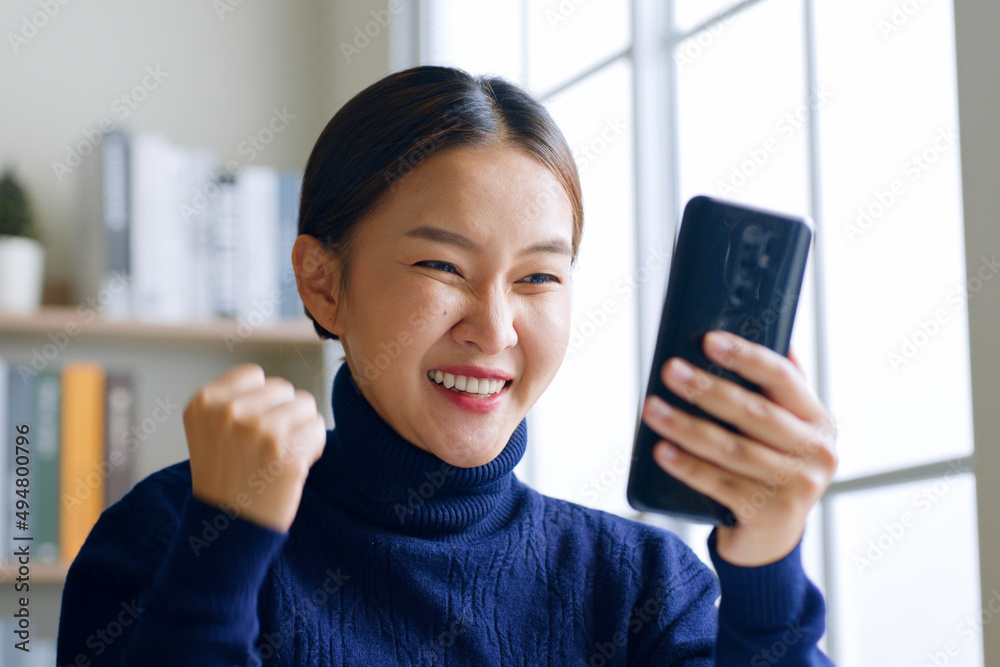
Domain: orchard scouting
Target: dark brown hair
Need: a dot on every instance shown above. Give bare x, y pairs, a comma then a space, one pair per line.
393, 125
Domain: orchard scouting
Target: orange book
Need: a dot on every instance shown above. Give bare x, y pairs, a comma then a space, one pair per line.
81, 482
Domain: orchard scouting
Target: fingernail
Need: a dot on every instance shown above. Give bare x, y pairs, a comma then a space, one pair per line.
680, 370
660, 407
666, 452
718, 344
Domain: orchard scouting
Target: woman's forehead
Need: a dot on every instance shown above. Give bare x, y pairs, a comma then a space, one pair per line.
479, 188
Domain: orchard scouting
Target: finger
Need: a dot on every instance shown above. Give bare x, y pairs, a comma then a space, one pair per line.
754, 415
235, 381
773, 373
720, 485
795, 361
258, 401
309, 439
294, 427
301, 407
711, 442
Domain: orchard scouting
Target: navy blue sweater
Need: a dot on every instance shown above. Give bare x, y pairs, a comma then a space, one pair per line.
397, 558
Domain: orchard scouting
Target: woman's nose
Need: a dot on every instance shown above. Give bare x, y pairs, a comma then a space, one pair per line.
488, 322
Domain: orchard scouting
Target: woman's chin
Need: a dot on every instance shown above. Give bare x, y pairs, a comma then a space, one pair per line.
469, 456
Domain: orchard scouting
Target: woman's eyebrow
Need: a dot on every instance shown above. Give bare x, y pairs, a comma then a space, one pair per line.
555, 246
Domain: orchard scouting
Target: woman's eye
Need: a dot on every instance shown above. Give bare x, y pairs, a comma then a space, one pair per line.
436, 264
533, 279
546, 278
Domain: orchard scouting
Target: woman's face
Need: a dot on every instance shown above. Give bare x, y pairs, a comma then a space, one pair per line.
462, 272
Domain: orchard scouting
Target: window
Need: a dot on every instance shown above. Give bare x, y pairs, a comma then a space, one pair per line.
843, 110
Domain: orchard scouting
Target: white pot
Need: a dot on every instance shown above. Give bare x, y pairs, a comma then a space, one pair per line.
22, 270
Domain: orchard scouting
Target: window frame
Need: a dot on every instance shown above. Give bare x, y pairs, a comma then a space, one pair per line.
654, 70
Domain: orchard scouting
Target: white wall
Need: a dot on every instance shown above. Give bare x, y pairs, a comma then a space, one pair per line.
224, 74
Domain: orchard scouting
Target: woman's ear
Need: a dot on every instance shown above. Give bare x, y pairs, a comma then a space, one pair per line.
317, 276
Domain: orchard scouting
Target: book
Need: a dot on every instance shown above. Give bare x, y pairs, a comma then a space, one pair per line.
224, 247
147, 206
81, 482
121, 417
258, 296
197, 210
103, 243
165, 237
288, 231
46, 467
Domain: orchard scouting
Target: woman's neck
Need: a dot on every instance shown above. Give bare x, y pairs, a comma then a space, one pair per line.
370, 471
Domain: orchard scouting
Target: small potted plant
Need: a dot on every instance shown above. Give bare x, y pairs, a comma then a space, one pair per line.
22, 256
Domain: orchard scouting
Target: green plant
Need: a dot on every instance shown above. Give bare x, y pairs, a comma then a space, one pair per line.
15, 210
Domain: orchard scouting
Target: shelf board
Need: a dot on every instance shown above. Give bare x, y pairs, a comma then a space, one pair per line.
51, 319
41, 573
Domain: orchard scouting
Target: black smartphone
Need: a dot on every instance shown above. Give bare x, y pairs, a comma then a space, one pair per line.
735, 268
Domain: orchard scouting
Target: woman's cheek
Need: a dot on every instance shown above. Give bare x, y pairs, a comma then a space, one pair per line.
547, 321
429, 308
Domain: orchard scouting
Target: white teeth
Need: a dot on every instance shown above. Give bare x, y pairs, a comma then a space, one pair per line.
475, 386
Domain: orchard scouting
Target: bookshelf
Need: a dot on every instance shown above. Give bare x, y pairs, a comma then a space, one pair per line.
59, 318
42, 573
167, 360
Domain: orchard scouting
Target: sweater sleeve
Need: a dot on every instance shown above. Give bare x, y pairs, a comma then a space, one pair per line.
202, 605
768, 615
164, 579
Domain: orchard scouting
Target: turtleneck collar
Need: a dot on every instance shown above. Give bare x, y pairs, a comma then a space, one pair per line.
373, 473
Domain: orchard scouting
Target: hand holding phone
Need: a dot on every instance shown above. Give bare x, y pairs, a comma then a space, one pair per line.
734, 268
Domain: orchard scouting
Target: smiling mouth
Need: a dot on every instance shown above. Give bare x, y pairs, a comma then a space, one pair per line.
462, 384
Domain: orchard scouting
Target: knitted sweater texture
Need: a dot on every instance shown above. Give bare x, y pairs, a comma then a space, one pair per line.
397, 558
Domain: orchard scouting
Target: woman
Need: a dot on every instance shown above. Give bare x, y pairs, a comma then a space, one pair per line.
439, 223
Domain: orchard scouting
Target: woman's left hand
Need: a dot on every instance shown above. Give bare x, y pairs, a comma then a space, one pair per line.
770, 477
